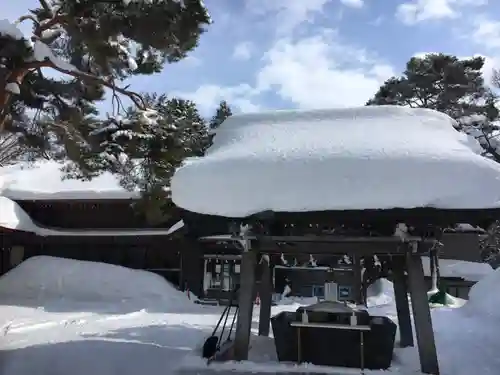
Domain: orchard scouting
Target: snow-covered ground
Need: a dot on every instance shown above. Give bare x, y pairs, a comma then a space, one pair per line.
60, 316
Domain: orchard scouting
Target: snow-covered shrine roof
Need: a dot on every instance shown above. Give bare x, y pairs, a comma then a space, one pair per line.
12, 216
44, 180
375, 157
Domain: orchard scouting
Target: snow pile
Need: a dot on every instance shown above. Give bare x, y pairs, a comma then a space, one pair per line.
375, 157
45, 180
484, 297
45, 278
471, 271
380, 293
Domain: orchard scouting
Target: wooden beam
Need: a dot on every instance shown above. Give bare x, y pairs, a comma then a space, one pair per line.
400, 284
319, 248
422, 315
245, 300
266, 297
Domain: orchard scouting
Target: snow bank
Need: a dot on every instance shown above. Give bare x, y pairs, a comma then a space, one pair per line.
46, 278
376, 157
484, 297
44, 180
471, 271
380, 293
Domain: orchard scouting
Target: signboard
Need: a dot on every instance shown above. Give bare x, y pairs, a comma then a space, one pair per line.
344, 292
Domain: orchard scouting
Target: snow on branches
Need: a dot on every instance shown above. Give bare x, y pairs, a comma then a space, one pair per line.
92, 46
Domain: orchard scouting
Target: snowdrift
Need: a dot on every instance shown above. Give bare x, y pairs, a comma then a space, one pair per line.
45, 278
483, 296
376, 157
380, 293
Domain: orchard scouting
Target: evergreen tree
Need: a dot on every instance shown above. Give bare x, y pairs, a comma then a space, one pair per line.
93, 45
450, 85
144, 149
222, 113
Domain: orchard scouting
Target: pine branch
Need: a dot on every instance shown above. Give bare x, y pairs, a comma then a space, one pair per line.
135, 97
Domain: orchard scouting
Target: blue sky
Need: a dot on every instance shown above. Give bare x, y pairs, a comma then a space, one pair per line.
266, 54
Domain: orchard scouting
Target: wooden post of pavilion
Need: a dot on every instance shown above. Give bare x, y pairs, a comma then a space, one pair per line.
401, 297
245, 302
266, 296
421, 312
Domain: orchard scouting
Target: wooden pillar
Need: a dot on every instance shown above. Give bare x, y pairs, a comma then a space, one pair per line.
358, 287
266, 296
245, 303
402, 305
421, 313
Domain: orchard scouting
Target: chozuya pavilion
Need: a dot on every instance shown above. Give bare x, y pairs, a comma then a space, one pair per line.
290, 181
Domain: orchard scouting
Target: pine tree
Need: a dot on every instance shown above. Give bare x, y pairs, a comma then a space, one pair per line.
222, 113
92, 45
450, 85
144, 149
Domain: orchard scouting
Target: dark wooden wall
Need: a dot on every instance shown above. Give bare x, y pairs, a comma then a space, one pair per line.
155, 253
95, 214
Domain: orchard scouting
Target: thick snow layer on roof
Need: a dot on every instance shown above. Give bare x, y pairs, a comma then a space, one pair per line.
12, 216
471, 271
378, 157
45, 180
44, 277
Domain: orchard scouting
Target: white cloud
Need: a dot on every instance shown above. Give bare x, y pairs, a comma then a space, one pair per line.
243, 51
208, 97
353, 3
416, 11
312, 72
288, 14
320, 71
486, 32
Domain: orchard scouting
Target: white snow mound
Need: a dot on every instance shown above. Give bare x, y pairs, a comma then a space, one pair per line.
380, 293
45, 278
484, 298
374, 157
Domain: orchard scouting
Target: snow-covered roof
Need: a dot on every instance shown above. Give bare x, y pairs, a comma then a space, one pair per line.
45, 180
471, 271
12, 216
375, 157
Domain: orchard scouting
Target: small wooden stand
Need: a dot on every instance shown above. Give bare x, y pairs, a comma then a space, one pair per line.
360, 328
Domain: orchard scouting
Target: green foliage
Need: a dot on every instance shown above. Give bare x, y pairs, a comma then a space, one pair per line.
144, 148
94, 44
441, 82
222, 113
